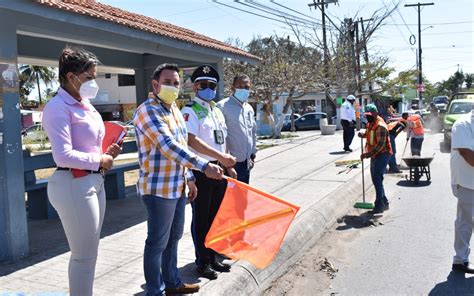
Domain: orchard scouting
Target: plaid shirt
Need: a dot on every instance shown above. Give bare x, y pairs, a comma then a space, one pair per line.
163, 154
381, 136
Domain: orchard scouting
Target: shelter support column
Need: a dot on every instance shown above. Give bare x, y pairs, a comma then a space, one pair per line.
13, 222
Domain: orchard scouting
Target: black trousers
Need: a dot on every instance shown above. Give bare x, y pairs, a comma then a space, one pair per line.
348, 132
205, 207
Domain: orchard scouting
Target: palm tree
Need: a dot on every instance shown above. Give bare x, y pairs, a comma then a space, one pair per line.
30, 74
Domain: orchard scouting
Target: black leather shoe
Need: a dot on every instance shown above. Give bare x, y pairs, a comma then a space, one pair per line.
220, 266
464, 267
207, 272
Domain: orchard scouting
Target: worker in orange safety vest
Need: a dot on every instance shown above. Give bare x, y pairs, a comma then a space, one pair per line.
416, 132
394, 129
379, 150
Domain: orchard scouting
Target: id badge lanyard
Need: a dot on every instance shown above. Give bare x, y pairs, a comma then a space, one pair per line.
217, 126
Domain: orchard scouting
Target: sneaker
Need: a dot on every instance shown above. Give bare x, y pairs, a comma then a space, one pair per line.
183, 289
377, 210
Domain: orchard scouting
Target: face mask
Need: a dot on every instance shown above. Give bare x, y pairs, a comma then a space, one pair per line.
88, 89
242, 94
206, 94
370, 118
168, 94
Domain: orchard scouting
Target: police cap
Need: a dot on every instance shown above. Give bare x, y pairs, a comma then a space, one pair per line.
205, 72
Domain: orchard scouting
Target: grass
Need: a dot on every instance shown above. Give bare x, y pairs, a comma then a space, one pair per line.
265, 146
282, 136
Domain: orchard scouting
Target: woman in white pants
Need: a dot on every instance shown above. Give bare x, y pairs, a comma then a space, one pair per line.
76, 189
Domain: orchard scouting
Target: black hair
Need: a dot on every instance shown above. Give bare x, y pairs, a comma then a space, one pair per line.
75, 60
165, 66
239, 77
404, 114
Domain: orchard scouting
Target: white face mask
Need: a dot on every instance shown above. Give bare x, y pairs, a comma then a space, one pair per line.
88, 89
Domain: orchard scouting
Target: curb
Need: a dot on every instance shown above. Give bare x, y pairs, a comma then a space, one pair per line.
307, 228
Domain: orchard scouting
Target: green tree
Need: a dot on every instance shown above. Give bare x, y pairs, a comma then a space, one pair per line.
29, 75
287, 69
468, 80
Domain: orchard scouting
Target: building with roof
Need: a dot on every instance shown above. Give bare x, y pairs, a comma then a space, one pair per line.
35, 31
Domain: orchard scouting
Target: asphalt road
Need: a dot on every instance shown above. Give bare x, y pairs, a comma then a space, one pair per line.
406, 251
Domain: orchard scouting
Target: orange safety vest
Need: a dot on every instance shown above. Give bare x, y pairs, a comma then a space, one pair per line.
357, 109
393, 124
416, 125
371, 139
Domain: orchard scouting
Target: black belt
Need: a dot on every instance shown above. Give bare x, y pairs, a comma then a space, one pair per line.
87, 171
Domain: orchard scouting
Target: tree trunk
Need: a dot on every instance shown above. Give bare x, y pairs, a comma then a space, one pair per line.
38, 84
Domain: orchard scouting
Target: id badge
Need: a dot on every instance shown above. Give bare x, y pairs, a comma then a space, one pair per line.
219, 137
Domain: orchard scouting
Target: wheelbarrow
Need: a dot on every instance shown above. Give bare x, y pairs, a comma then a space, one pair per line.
418, 166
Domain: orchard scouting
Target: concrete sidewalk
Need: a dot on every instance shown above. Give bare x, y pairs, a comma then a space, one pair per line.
301, 171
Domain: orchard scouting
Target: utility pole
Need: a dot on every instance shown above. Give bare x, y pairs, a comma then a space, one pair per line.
357, 52
366, 54
321, 5
420, 71
351, 32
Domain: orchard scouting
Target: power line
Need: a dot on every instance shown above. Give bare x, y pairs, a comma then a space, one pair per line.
281, 13
432, 24
443, 33
260, 15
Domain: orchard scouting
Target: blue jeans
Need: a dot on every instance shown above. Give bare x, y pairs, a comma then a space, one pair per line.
243, 173
415, 146
392, 162
165, 219
378, 165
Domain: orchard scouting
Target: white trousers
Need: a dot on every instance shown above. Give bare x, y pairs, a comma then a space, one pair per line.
80, 204
464, 223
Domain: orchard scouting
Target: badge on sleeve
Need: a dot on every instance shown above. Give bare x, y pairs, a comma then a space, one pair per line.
186, 116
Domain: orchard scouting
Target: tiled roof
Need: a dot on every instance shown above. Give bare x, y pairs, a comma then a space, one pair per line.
140, 22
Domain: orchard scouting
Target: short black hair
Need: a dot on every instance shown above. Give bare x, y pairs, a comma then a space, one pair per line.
165, 66
404, 114
239, 77
75, 60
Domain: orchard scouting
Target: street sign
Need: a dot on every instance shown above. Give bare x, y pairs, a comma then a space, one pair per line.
420, 87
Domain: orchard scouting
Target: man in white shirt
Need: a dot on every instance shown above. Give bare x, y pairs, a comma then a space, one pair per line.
348, 120
462, 182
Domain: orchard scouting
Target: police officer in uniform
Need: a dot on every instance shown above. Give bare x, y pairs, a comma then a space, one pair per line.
207, 134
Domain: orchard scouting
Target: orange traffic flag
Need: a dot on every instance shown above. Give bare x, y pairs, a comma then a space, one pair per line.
250, 224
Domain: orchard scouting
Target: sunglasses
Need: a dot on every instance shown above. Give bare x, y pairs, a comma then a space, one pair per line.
206, 84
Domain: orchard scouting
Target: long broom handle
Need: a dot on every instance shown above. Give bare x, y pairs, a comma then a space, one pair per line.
363, 174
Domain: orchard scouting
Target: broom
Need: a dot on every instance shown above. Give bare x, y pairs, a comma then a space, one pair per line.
363, 204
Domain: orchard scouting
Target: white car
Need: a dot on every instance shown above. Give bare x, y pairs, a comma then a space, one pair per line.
34, 133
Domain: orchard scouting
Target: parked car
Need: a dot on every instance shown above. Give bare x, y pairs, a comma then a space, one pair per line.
441, 102
456, 109
34, 133
287, 121
309, 121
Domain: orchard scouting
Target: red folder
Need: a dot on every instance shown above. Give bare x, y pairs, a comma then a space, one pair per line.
114, 133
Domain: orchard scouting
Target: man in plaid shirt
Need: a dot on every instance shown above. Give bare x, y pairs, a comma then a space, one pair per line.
165, 161
379, 150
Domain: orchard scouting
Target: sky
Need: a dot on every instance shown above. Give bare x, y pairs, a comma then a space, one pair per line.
447, 36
